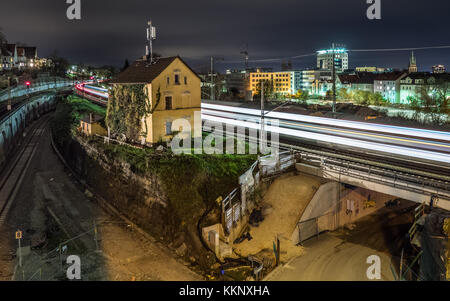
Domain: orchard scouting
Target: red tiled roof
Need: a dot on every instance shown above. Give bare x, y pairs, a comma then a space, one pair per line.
141, 72
358, 78
28, 52
390, 76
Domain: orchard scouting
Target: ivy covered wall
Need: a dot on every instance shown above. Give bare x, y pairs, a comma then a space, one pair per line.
127, 106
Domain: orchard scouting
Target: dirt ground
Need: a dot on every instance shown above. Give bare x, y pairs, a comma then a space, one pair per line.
342, 255
51, 204
283, 205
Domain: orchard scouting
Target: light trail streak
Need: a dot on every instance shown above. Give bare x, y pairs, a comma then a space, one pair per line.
385, 148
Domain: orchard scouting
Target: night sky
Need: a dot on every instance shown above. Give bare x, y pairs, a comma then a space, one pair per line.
112, 30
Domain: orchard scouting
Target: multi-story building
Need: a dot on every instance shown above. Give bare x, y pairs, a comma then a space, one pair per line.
307, 78
388, 85
373, 69
296, 81
13, 56
362, 81
26, 57
236, 83
325, 59
178, 87
410, 85
310, 80
8, 56
281, 81
438, 69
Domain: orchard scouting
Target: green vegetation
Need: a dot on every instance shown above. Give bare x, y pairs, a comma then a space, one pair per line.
301, 95
268, 90
127, 105
68, 115
191, 182
433, 100
362, 97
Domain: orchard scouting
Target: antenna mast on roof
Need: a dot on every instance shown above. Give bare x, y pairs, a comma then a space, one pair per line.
151, 35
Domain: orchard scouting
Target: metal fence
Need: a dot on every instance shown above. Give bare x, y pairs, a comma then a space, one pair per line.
37, 86
236, 205
313, 227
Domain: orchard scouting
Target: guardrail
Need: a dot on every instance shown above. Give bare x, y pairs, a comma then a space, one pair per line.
413, 183
36, 86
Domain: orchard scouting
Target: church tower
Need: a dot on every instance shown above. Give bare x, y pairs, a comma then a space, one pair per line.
412, 63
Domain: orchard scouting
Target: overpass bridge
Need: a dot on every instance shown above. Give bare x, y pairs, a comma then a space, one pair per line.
408, 163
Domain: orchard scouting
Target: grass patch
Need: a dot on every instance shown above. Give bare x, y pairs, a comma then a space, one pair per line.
67, 117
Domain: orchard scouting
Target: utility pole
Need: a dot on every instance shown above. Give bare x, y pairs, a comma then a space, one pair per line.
261, 139
334, 78
9, 107
213, 84
213, 96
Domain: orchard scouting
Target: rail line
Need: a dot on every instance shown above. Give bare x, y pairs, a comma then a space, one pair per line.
13, 174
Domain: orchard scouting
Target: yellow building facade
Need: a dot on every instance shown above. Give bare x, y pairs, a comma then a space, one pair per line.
90, 125
180, 94
281, 81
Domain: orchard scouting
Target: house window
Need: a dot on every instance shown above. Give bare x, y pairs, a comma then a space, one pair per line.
168, 80
168, 102
168, 127
185, 80
177, 79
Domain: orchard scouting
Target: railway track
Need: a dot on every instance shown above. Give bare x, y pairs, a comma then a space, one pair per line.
13, 174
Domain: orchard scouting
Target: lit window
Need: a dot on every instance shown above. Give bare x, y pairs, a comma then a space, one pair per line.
168, 127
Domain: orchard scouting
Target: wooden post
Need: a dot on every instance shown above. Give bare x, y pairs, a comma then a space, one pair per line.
278, 251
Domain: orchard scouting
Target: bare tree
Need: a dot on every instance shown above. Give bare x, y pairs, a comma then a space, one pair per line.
433, 98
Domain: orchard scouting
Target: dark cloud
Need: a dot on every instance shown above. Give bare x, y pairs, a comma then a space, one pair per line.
112, 30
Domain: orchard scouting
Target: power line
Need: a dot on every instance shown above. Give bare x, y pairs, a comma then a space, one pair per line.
399, 49
350, 50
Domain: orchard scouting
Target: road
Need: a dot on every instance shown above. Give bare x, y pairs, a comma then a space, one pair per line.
342, 255
50, 207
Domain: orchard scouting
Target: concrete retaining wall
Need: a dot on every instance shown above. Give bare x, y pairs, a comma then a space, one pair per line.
334, 205
12, 125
